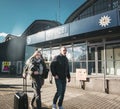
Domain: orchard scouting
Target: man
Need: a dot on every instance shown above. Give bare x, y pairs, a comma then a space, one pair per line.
60, 70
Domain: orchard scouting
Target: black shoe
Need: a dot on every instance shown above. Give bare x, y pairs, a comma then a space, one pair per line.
32, 101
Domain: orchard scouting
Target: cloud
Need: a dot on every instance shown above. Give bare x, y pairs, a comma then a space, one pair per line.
3, 34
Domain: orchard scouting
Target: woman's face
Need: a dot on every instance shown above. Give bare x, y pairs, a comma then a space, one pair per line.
38, 56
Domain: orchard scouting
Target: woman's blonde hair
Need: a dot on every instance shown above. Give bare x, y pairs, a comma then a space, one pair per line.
34, 54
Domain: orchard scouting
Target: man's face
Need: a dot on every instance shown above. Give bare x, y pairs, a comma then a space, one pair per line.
63, 51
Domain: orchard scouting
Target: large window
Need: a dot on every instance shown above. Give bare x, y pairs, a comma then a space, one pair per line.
55, 51
113, 60
95, 60
91, 60
98, 7
102, 6
79, 59
46, 54
116, 4
70, 57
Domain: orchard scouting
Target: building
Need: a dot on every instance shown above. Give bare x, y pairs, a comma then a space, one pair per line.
12, 55
12, 51
9, 37
92, 36
40, 25
34, 29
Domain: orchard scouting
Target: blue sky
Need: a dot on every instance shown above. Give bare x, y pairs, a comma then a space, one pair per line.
17, 15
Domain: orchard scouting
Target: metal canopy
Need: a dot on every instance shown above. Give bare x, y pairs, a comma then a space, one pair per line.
91, 26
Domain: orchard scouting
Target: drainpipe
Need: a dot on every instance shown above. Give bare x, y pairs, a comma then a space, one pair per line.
106, 81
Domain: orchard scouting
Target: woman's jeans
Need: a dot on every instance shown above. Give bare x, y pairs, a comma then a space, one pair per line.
61, 87
37, 84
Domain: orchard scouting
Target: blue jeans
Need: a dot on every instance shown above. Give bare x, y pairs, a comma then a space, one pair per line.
61, 87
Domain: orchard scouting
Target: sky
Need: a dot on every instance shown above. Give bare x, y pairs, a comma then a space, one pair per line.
17, 15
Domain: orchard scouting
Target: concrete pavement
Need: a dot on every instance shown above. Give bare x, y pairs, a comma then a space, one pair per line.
74, 98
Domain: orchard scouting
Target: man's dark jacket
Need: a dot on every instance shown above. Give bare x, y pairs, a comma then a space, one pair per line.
59, 66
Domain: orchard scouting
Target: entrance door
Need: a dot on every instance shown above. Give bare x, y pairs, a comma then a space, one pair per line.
95, 60
110, 62
117, 60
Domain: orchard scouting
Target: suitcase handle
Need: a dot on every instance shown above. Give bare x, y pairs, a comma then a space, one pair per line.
24, 85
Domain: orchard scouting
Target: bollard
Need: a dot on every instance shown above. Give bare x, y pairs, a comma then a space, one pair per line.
107, 86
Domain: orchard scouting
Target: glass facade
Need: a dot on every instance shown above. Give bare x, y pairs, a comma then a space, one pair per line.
46, 54
76, 55
113, 60
98, 7
91, 60
79, 56
94, 55
97, 59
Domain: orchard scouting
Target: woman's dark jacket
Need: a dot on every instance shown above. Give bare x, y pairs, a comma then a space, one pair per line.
36, 66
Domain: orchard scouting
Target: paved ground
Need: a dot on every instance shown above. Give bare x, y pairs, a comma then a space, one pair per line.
74, 98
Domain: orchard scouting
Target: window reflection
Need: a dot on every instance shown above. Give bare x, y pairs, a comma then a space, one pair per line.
46, 54
80, 53
55, 51
91, 60
69, 53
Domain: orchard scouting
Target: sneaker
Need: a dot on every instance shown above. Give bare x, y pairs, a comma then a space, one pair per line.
54, 106
31, 106
60, 107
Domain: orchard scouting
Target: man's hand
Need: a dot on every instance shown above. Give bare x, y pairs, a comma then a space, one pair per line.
56, 77
69, 79
36, 72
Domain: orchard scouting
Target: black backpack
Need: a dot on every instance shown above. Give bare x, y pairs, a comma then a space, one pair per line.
45, 73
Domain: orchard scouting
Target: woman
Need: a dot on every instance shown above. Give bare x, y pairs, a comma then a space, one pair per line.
35, 67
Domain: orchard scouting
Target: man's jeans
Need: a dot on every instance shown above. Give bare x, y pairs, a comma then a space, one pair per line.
61, 87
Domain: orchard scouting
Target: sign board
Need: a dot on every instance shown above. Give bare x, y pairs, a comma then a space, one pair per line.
81, 74
5, 66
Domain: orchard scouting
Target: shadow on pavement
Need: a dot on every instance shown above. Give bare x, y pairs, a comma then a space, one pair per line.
12, 86
44, 107
10, 76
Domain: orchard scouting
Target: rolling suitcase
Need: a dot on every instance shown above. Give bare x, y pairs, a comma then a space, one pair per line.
21, 98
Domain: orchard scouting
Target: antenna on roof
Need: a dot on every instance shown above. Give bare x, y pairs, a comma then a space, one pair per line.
57, 14
59, 10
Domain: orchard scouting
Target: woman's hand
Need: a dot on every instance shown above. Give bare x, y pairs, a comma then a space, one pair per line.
36, 72
56, 77
24, 75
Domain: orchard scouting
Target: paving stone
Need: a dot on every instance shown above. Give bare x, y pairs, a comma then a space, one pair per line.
75, 98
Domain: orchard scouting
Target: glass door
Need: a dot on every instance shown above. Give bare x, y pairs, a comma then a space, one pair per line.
110, 61
100, 60
95, 60
113, 59
91, 60
117, 60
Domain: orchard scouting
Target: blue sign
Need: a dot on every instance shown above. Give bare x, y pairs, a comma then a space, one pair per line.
98, 22
58, 32
36, 38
